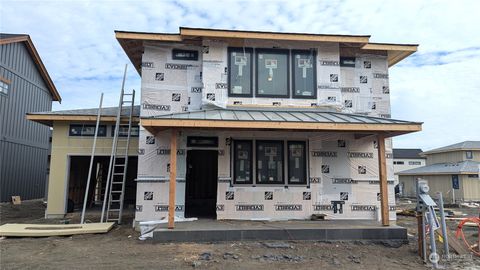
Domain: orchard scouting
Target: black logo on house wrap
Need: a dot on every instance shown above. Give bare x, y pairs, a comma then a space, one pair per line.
344, 196
324, 154
325, 168
211, 96
332, 99
161, 151
359, 155
350, 89
344, 181
176, 96
229, 195
164, 208
156, 107
268, 195
367, 64
315, 180
307, 195
220, 207
147, 64
333, 77
385, 89
348, 103
379, 196
364, 208
159, 76
148, 195
221, 86
249, 207
150, 140
328, 63
288, 207
237, 103
362, 169
363, 79
380, 76
341, 143
176, 66
322, 207
196, 89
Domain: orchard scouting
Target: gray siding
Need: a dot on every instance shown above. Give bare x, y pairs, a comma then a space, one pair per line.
23, 143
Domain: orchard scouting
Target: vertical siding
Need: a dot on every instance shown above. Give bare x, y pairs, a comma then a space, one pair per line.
23, 143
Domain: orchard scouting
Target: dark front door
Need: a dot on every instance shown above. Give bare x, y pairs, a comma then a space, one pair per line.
201, 186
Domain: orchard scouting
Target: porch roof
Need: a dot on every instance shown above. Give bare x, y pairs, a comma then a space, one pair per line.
281, 119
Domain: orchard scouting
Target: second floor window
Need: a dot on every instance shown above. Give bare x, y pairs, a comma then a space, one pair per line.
240, 75
303, 69
87, 130
272, 73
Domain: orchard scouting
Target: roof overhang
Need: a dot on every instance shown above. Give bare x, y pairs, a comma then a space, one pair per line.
389, 130
133, 42
48, 119
38, 62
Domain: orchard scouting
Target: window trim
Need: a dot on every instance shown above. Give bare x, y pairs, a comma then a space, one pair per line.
252, 145
305, 182
279, 51
314, 90
86, 125
253, 55
282, 183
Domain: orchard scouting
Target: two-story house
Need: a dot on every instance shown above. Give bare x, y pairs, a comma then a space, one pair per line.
452, 170
406, 159
263, 125
25, 86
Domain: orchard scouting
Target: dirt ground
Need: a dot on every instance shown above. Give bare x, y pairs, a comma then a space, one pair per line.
121, 249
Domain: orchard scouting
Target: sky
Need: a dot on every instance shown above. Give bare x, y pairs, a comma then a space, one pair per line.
438, 85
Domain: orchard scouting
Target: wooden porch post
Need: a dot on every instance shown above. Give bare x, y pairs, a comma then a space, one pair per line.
382, 168
173, 179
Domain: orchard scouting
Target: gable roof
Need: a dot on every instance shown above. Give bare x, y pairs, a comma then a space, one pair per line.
466, 145
410, 153
464, 167
133, 42
13, 38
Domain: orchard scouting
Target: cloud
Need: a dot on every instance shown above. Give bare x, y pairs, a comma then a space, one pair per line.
438, 85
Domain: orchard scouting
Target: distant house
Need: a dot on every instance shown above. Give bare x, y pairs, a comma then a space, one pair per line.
406, 159
25, 86
452, 170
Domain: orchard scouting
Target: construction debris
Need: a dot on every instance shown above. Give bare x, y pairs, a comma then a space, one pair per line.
40, 230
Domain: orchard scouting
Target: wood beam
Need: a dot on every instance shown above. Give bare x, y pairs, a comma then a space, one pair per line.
382, 168
173, 179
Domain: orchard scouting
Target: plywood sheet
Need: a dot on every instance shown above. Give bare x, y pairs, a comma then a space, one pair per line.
39, 230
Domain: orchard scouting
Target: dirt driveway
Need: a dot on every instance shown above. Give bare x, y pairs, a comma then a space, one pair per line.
121, 249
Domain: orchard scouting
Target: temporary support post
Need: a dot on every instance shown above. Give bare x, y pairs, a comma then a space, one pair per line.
382, 168
87, 188
173, 179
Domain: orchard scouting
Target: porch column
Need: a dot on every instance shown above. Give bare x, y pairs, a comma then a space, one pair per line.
173, 179
382, 168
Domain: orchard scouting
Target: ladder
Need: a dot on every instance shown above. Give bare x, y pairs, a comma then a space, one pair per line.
117, 171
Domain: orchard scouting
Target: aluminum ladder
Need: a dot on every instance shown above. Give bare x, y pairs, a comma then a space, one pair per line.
117, 171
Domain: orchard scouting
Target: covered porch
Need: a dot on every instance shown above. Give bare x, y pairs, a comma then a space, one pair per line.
259, 123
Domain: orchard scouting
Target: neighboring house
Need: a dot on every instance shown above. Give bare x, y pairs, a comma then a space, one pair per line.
264, 125
24, 86
72, 141
452, 170
406, 159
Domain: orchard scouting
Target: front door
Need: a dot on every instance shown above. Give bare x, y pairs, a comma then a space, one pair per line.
201, 183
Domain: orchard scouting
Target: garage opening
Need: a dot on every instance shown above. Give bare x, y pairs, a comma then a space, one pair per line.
77, 182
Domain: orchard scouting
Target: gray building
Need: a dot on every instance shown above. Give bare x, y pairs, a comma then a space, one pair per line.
25, 86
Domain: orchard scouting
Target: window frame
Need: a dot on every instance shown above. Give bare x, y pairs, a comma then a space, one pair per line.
467, 156
7, 83
70, 134
194, 53
278, 51
278, 183
305, 182
112, 133
229, 64
292, 74
234, 156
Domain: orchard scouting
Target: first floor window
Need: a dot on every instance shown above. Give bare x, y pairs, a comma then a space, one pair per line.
270, 162
242, 172
87, 130
297, 165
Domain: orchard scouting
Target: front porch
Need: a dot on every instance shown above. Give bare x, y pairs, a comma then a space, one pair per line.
208, 230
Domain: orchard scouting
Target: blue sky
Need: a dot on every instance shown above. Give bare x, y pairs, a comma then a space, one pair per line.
439, 85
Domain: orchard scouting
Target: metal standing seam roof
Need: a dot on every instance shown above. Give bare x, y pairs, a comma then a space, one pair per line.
308, 116
107, 111
409, 153
466, 145
464, 167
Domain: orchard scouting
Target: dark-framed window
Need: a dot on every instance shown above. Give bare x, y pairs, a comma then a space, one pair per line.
297, 162
123, 131
469, 154
87, 130
269, 162
240, 72
272, 73
304, 74
242, 162
201, 141
347, 61
188, 55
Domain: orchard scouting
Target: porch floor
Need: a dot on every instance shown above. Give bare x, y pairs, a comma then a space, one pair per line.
209, 230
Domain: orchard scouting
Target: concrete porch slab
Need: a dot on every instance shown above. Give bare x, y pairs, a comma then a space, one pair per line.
205, 230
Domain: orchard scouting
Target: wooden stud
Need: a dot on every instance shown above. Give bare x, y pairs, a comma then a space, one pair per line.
382, 168
173, 179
